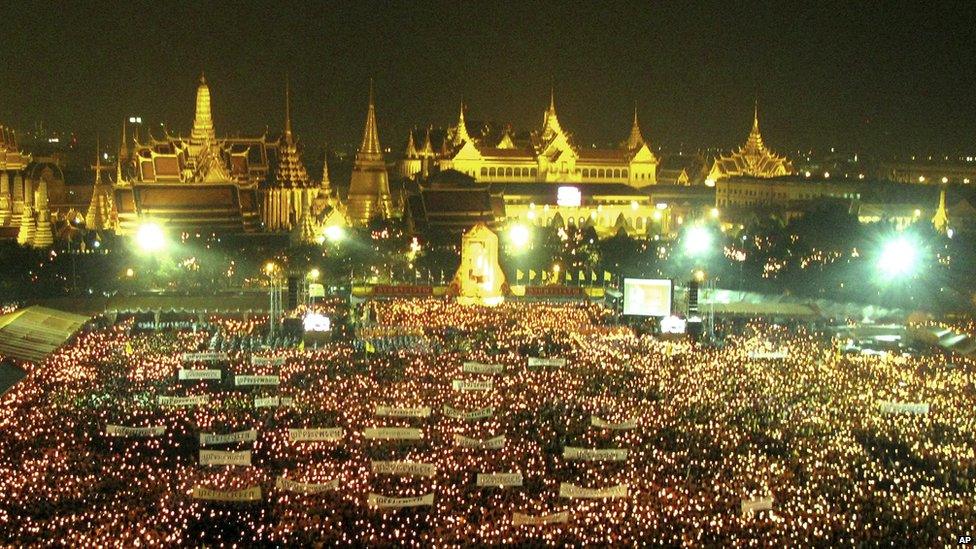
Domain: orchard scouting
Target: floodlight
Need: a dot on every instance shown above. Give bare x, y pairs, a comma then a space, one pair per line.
334, 233
698, 241
899, 257
518, 236
150, 238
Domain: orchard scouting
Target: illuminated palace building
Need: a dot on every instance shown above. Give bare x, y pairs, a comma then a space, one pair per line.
205, 184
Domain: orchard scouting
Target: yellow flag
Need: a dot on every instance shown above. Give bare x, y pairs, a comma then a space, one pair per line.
301, 345
531, 274
128, 348
370, 348
519, 275
592, 276
582, 276
544, 276
606, 276
569, 276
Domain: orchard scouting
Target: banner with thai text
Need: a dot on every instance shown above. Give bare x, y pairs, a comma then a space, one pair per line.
382, 502
328, 434
267, 360
221, 457
404, 468
768, 355
256, 380
481, 368
465, 386
757, 504
571, 491
622, 426
248, 494
305, 488
199, 400
917, 408
393, 411
213, 439
498, 479
519, 519
192, 375
495, 443
204, 357
123, 431
469, 416
392, 433
587, 454
547, 362
272, 402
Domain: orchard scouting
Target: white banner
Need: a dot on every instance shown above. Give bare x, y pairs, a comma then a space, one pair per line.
256, 380
123, 431
267, 360
587, 454
769, 355
204, 357
392, 433
184, 401
330, 434
481, 368
519, 519
461, 385
758, 504
498, 479
571, 491
404, 468
490, 444
272, 402
393, 411
382, 502
188, 374
220, 457
548, 362
213, 439
622, 426
917, 408
289, 485
468, 416
248, 494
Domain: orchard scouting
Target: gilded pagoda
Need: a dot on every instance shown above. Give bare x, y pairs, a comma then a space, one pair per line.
369, 187
752, 159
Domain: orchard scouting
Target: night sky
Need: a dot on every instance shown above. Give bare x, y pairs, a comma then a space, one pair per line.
856, 76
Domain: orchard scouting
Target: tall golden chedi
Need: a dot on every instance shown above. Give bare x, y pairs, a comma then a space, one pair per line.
369, 187
200, 184
752, 159
15, 189
289, 196
100, 215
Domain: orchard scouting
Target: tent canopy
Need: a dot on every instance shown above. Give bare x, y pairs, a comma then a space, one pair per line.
35, 332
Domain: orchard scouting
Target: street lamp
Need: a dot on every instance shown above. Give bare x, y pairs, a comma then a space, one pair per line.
698, 241
899, 258
150, 238
518, 236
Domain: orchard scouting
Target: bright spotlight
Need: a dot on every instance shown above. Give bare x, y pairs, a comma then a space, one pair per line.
899, 257
698, 241
314, 274
518, 235
334, 233
150, 238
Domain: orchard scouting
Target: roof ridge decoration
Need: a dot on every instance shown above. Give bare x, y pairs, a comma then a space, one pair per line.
636, 138
203, 128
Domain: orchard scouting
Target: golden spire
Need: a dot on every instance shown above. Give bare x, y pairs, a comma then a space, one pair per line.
636, 138
287, 110
550, 126
203, 129
371, 138
427, 150
755, 143
99, 214
461, 135
326, 183
411, 151
941, 219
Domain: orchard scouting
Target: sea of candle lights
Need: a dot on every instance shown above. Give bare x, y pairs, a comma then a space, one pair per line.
714, 426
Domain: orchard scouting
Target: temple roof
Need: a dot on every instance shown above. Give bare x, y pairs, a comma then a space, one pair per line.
461, 135
636, 138
203, 128
291, 171
371, 136
752, 158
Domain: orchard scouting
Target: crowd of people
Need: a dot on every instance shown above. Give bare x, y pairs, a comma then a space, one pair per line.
776, 414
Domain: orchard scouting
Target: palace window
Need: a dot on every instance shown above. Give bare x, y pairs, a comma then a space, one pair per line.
484, 172
491, 172
624, 173
535, 172
508, 172
601, 174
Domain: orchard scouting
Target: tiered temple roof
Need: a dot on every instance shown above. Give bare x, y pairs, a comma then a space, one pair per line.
291, 170
752, 159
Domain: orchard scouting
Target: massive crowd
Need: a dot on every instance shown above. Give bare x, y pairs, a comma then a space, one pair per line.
774, 413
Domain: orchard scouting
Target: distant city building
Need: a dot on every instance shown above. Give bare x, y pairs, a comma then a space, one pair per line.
929, 172
752, 159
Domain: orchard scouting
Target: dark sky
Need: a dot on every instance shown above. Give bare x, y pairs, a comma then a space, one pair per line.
861, 76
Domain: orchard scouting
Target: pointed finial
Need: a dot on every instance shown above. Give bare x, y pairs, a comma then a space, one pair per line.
203, 79
635, 112
370, 91
755, 114
287, 107
552, 99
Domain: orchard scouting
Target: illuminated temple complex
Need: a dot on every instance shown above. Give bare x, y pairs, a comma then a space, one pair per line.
752, 159
199, 183
551, 156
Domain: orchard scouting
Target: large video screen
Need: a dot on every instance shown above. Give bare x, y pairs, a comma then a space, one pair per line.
647, 296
